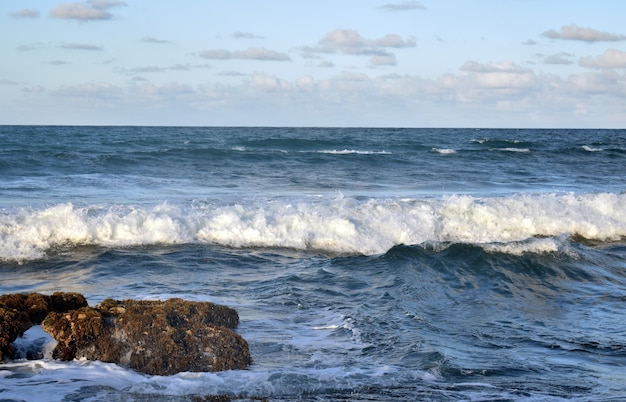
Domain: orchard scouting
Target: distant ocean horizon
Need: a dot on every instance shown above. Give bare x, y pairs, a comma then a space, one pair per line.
365, 263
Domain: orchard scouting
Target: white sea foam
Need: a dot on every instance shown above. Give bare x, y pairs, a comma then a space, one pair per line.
591, 149
540, 245
53, 380
341, 225
34, 342
444, 151
510, 149
352, 151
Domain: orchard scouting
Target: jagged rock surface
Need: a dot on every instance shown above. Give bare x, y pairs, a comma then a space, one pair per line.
153, 337
18, 312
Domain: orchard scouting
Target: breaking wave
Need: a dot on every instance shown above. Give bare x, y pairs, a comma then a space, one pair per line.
514, 224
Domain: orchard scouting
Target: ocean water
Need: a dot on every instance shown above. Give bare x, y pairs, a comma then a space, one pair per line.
366, 264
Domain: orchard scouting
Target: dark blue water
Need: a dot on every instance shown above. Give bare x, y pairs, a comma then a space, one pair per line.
366, 264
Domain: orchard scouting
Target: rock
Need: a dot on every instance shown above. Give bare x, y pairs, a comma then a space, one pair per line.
13, 323
18, 312
153, 337
37, 306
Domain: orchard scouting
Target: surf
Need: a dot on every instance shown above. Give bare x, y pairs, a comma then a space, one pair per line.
514, 224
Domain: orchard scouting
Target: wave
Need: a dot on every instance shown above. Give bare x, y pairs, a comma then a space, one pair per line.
509, 149
515, 224
444, 151
352, 151
591, 149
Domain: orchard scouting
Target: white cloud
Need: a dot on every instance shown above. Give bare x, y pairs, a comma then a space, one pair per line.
149, 93
562, 58
591, 83
173, 88
255, 53
58, 62
406, 6
159, 69
25, 13
105, 4
612, 58
393, 40
383, 60
216, 54
245, 35
150, 39
99, 90
267, 83
504, 66
326, 64
83, 12
143, 70
26, 48
574, 32
260, 53
34, 89
350, 42
347, 41
306, 83
494, 93
80, 46
231, 73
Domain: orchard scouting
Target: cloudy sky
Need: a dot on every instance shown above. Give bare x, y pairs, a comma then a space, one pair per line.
427, 63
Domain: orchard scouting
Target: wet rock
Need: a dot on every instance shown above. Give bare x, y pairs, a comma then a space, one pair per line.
18, 312
153, 337
13, 323
37, 305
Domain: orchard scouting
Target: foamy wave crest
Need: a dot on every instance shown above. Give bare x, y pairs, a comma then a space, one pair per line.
352, 151
591, 149
512, 224
444, 151
27, 234
509, 149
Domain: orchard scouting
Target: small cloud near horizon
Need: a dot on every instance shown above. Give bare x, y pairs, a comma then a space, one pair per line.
350, 42
151, 39
254, 53
612, 58
406, 6
80, 46
57, 62
25, 13
561, 58
245, 35
574, 32
91, 10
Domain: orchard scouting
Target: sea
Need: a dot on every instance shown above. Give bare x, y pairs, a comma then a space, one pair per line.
366, 264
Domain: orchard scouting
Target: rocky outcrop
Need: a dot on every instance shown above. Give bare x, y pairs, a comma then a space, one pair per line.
18, 312
153, 337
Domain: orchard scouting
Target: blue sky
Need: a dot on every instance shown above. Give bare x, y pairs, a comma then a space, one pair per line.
427, 63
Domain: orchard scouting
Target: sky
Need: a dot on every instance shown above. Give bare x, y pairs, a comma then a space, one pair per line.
348, 63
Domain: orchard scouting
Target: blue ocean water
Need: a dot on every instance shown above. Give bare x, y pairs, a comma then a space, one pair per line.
365, 263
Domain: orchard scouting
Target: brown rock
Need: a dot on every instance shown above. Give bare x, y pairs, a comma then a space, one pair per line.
37, 306
153, 337
13, 323
18, 312
63, 301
